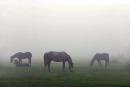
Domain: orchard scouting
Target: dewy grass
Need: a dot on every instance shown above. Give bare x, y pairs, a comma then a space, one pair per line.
83, 76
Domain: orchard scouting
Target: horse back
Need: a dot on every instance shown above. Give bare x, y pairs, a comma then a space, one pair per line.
23, 55
56, 56
102, 56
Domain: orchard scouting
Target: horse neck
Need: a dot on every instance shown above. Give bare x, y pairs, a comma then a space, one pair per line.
17, 63
107, 60
12, 58
70, 61
93, 60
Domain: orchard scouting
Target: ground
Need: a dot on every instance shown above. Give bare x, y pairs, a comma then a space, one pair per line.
82, 76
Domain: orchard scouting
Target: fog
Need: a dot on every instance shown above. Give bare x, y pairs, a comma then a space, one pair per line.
79, 27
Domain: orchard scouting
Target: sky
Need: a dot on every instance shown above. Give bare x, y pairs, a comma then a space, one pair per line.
79, 27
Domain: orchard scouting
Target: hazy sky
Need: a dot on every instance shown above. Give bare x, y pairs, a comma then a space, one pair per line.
79, 27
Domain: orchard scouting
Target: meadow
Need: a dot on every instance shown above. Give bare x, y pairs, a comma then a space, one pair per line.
116, 75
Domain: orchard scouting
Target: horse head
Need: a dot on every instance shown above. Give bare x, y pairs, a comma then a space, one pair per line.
11, 59
91, 64
71, 65
15, 61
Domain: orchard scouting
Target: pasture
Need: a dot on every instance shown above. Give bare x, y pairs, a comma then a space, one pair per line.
117, 75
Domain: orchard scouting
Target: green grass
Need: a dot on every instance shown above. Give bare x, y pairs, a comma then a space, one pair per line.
83, 76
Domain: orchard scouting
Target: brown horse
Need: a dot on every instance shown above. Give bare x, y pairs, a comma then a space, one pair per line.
20, 56
57, 57
99, 57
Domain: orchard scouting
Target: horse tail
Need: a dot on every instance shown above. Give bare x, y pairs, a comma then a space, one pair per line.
108, 59
29, 57
45, 59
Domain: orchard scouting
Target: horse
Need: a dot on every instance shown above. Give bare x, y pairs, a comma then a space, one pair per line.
99, 57
18, 64
20, 56
57, 57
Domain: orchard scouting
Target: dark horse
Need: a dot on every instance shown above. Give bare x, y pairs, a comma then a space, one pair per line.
57, 57
99, 57
20, 56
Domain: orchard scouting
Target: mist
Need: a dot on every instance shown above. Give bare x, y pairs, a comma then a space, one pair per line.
79, 27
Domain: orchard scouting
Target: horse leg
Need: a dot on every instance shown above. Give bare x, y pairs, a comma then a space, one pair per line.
99, 62
49, 67
63, 68
45, 65
106, 63
20, 61
29, 61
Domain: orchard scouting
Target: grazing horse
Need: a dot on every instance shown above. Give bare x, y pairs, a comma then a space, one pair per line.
99, 57
57, 57
18, 64
20, 56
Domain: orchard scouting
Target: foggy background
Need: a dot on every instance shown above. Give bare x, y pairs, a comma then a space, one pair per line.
79, 27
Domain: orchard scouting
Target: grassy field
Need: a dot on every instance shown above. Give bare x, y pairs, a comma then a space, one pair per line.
83, 76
